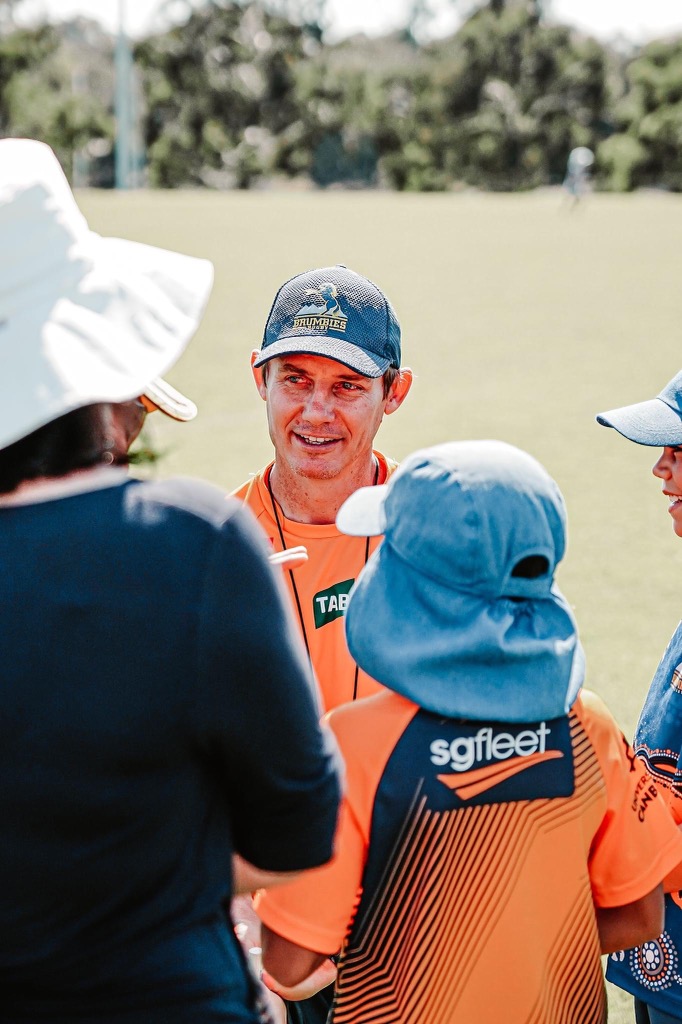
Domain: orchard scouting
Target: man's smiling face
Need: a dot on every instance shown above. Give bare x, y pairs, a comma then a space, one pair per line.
322, 416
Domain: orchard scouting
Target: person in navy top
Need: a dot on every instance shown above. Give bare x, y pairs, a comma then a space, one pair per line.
159, 740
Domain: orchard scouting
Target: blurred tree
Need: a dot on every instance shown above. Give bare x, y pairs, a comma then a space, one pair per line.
468, 7
431, 116
517, 95
250, 88
38, 94
20, 51
354, 100
648, 147
7, 8
221, 83
313, 15
419, 18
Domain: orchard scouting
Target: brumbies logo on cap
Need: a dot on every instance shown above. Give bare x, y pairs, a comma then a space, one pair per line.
327, 315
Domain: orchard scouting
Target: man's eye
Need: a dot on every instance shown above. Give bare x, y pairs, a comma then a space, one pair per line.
346, 385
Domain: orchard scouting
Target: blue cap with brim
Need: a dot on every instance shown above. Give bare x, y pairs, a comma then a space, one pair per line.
657, 422
440, 613
335, 313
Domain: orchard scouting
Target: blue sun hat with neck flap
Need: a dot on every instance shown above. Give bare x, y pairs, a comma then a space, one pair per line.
457, 609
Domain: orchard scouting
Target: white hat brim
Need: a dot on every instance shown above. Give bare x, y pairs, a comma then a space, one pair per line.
363, 514
113, 318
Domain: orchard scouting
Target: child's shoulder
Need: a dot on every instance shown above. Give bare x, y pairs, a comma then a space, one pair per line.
361, 720
590, 703
599, 723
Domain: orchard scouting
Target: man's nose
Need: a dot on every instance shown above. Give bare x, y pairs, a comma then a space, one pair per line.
319, 404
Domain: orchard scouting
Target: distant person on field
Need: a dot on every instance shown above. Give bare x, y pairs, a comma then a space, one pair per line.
328, 371
577, 179
653, 972
497, 833
160, 746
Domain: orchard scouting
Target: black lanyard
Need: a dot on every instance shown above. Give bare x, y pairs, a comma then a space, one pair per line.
293, 578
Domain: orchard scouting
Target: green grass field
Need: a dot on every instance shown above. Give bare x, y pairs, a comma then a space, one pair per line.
521, 320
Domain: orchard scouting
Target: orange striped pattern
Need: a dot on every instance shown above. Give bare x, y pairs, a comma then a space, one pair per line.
466, 930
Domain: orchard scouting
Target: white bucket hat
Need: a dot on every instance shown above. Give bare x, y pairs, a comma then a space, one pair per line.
83, 319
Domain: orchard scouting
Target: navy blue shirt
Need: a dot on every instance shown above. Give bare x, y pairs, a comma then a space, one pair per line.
156, 713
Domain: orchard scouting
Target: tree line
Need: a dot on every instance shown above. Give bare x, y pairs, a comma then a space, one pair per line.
248, 92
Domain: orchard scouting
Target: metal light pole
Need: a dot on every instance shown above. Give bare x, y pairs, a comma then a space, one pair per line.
123, 103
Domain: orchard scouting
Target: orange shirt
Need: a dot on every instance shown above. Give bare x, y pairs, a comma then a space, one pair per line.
322, 585
470, 857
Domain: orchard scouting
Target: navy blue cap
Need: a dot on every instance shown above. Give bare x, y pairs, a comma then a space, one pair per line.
657, 423
336, 313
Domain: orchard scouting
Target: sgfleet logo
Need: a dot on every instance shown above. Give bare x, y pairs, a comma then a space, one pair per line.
489, 756
331, 603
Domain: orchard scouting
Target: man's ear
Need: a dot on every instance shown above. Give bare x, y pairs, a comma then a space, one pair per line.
399, 389
257, 372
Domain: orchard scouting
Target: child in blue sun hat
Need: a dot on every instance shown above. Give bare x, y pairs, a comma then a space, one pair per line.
496, 823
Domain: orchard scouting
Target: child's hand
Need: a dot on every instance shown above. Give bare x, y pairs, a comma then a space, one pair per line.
324, 975
290, 558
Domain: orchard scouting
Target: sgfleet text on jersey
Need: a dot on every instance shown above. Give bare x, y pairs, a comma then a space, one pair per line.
463, 752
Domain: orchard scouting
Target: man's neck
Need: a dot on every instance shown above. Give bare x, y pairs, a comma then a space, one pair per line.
316, 501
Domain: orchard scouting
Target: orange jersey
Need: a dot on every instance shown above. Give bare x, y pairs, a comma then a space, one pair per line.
322, 587
470, 857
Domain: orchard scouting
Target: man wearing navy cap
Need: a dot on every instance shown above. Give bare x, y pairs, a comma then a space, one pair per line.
328, 370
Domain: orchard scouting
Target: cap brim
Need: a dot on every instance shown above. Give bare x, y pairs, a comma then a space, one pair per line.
362, 514
170, 401
352, 356
651, 423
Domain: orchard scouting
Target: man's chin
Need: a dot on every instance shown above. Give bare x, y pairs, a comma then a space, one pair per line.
317, 472
313, 465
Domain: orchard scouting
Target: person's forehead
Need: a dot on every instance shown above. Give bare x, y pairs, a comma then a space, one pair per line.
319, 366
